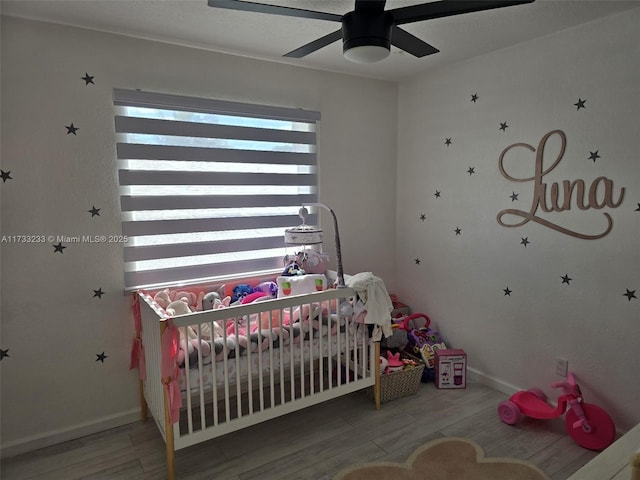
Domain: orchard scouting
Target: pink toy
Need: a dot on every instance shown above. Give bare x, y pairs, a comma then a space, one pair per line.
394, 362
589, 425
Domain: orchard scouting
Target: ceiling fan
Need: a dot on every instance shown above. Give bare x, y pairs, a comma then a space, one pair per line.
369, 30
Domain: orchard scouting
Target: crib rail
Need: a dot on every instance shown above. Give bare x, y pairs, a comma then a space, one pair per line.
281, 367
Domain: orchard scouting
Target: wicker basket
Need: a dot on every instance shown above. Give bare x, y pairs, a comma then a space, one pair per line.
398, 384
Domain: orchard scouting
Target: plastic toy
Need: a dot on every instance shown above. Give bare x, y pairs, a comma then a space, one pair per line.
589, 425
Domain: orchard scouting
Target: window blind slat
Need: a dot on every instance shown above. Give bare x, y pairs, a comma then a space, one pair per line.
203, 130
151, 252
167, 227
130, 151
199, 273
129, 203
145, 177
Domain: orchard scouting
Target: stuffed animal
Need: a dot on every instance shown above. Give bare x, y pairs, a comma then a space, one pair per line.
312, 261
223, 345
240, 291
270, 288
166, 296
394, 361
254, 297
190, 344
163, 298
292, 269
209, 298
177, 307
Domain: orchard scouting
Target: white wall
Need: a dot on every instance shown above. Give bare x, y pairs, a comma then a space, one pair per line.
52, 325
460, 279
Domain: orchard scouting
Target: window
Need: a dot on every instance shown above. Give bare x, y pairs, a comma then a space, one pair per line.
207, 187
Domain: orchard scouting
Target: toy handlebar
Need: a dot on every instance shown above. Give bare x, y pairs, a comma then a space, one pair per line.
566, 387
569, 387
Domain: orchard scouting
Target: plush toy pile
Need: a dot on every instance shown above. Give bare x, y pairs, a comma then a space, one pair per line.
216, 340
414, 335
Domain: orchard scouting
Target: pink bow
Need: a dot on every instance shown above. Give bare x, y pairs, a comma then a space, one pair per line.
137, 349
137, 358
170, 371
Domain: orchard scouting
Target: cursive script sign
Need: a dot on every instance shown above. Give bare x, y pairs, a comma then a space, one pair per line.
560, 195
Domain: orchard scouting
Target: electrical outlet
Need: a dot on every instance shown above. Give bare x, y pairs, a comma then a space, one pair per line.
562, 367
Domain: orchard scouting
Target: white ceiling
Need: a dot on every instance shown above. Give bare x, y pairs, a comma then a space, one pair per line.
194, 23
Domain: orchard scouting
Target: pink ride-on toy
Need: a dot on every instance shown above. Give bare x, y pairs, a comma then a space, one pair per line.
589, 425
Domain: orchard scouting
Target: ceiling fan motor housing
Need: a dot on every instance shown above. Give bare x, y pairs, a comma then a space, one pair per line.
364, 29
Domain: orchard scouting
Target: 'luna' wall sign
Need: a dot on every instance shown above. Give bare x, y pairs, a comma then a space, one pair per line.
560, 196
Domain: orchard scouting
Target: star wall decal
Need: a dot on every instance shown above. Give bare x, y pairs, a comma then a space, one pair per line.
58, 248
101, 357
566, 279
447, 142
630, 294
437, 195
594, 156
5, 175
417, 260
98, 293
4, 353
471, 171
88, 79
507, 292
423, 217
514, 196
637, 209
503, 126
94, 211
580, 103
474, 97
71, 129
524, 241
458, 231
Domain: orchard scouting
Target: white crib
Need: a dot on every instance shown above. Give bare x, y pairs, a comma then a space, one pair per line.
277, 371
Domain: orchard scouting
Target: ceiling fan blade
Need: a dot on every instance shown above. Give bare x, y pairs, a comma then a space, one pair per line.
411, 44
315, 45
372, 6
273, 9
446, 8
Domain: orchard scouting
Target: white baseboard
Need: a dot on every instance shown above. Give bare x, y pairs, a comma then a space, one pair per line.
28, 444
492, 382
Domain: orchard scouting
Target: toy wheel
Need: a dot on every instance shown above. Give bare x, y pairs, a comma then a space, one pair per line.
602, 431
539, 393
509, 412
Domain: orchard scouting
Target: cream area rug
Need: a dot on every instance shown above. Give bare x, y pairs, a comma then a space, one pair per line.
448, 458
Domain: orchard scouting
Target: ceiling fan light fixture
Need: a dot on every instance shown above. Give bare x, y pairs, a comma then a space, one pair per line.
366, 53
366, 36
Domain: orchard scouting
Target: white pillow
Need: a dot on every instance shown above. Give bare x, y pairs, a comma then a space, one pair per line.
301, 284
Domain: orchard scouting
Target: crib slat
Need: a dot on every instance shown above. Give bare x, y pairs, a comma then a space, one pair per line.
249, 377
309, 362
203, 420
187, 367
238, 366
214, 377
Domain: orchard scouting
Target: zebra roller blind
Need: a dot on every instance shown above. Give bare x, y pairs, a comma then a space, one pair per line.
207, 187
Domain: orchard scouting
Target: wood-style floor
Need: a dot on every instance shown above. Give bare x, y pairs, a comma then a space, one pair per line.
312, 444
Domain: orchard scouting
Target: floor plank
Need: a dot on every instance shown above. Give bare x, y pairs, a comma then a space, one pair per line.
314, 443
